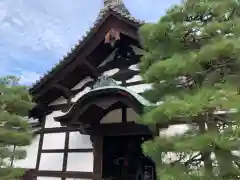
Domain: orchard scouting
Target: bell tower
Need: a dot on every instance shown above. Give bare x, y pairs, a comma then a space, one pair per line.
94, 92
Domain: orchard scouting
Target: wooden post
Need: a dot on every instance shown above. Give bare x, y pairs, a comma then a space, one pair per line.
65, 154
98, 155
40, 144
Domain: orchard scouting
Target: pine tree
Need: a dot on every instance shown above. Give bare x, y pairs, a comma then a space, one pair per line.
192, 60
15, 103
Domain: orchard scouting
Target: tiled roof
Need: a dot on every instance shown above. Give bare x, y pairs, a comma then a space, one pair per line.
115, 6
118, 4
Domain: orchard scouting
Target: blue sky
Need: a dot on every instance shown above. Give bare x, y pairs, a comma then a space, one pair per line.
35, 34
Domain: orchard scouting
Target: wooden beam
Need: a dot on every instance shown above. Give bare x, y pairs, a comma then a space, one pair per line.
118, 129
62, 107
124, 74
67, 93
120, 64
124, 115
40, 144
126, 27
98, 155
132, 83
65, 154
67, 174
87, 150
60, 130
92, 68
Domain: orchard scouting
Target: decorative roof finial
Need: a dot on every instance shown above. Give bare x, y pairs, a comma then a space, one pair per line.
104, 81
111, 2
117, 4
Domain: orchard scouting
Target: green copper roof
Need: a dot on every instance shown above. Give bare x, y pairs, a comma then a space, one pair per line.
141, 99
105, 82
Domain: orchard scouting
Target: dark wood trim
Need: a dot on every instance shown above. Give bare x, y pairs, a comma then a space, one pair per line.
40, 144
119, 129
67, 174
126, 84
67, 93
65, 154
61, 107
98, 155
60, 130
92, 68
124, 74
87, 150
123, 82
126, 27
124, 115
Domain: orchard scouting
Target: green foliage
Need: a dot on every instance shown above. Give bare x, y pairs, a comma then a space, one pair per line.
192, 60
15, 102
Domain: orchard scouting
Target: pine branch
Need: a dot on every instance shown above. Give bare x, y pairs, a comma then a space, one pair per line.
193, 63
197, 158
15, 102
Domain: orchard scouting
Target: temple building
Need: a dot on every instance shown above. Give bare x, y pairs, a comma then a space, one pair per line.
87, 107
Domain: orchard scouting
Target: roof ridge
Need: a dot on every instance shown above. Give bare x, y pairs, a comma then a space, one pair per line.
116, 4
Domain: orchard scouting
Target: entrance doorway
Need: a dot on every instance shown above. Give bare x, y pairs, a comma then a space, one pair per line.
123, 159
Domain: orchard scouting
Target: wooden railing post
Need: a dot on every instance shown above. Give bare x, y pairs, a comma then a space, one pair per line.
98, 155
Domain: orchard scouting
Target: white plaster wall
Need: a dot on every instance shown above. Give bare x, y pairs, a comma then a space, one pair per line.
80, 162
114, 116
132, 115
53, 161
50, 122
54, 141
77, 140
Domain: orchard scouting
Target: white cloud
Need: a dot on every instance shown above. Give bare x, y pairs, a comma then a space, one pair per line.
28, 77
36, 34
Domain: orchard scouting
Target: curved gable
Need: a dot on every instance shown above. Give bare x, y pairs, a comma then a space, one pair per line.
94, 105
